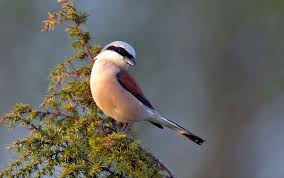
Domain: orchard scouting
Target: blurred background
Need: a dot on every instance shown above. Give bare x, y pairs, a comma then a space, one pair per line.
215, 67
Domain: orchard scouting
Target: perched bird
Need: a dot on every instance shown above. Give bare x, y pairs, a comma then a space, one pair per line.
118, 95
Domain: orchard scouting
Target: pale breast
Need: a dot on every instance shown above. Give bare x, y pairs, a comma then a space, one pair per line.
112, 98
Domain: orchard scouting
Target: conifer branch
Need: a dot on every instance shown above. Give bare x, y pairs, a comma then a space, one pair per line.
67, 132
163, 166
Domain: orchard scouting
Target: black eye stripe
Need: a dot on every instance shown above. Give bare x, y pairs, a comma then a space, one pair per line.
120, 51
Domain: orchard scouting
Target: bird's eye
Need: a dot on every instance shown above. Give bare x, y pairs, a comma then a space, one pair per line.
121, 51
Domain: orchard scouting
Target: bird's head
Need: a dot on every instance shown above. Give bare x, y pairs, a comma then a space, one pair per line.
120, 53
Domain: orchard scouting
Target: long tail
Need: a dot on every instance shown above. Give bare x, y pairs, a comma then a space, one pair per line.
158, 119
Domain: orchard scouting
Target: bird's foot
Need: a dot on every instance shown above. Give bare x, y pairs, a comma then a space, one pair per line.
126, 127
114, 125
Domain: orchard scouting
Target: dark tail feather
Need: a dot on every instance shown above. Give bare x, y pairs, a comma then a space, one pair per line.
159, 120
188, 134
192, 137
157, 125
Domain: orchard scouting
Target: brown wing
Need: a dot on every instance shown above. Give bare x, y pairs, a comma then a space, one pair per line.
129, 83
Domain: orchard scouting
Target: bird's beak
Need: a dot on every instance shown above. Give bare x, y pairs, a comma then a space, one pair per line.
130, 61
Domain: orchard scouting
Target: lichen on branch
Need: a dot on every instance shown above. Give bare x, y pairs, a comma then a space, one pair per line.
68, 137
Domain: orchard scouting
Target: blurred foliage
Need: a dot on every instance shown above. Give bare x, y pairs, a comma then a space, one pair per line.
68, 136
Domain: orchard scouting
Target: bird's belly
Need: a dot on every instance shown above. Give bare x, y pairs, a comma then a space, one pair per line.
117, 102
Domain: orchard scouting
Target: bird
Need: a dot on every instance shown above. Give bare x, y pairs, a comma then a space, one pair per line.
118, 94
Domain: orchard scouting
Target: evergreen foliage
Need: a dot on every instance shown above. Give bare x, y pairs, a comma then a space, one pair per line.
69, 137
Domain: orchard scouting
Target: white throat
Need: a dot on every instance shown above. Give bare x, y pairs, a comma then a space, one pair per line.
113, 57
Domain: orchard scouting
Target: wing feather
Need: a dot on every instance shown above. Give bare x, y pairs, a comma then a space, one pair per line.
129, 84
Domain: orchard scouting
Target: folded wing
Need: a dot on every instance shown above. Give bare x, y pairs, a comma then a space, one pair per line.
129, 84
